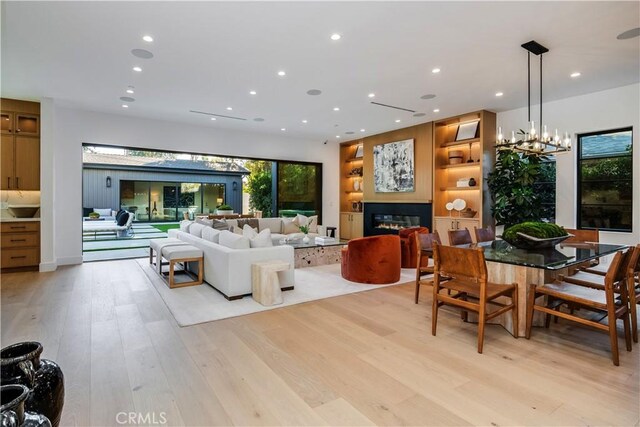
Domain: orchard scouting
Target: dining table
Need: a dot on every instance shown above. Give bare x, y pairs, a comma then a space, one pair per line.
509, 264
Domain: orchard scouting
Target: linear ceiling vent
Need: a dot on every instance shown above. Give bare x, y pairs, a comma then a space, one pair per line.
216, 115
394, 107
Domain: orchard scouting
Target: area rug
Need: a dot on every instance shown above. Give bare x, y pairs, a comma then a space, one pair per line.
200, 304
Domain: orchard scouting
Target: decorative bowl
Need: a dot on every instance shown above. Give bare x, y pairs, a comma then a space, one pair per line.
23, 211
524, 241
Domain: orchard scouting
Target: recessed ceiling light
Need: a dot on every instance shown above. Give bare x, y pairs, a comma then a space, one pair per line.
148, 39
576, 74
435, 70
336, 36
437, 110
282, 73
229, 108
371, 95
213, 118
336, 108
304, 121
129, 90
397, 120
252, 92
138, 69
499, 94
629, 34
125, 106
337, 136
283, 129
361, 130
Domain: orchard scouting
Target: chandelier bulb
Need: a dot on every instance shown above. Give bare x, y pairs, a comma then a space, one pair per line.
545, 134
513, 137
556, 138
532, 131
500, 134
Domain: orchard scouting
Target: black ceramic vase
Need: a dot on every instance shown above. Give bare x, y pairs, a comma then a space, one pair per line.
21, 364
12, 412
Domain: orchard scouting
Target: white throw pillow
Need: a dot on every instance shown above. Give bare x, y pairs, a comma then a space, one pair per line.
210, 234
257, 240
195, 229
233, 241
288, 226
103, 212
311, 221
184, 225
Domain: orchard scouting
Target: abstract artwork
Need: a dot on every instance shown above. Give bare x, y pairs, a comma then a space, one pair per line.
393, 169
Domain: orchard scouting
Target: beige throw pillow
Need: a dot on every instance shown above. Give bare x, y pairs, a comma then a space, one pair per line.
257, 240
312, 221
233, 241
289, 227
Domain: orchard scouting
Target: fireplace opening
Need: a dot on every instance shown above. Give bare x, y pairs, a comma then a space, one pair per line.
388, 218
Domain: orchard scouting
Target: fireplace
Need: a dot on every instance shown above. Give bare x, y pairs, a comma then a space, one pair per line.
388, 218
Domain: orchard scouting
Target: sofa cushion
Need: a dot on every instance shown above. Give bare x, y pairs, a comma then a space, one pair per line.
123, 219
257, 240
220, 224
273, 224
233, 241
205, 221
288, 226
184, 225
252, 222
103, 212
195, 229
211, 234
311, 221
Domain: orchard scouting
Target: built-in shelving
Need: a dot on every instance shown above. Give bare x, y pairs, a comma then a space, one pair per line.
457, 143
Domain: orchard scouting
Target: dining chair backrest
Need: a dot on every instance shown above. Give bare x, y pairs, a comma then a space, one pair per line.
459, 237
486, 234
425, 240
633, 267
464, 264
616, 271
582, 236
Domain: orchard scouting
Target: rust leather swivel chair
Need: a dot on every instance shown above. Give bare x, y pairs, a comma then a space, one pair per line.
408, 248
374, 260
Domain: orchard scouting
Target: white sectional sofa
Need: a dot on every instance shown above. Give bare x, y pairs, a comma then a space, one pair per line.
281, 228
228, 269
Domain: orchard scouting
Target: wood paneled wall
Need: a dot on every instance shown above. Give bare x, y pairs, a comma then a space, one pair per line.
422, 138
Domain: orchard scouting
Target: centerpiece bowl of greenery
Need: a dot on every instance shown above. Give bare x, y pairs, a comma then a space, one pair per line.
224, 210
535, 235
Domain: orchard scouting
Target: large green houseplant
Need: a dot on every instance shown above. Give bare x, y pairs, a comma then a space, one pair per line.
512, 187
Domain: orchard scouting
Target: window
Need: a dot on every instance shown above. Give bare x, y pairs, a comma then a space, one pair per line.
545, 186
605, 185
299, 189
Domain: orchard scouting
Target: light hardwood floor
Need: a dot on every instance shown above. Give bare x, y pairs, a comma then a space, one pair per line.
361, 359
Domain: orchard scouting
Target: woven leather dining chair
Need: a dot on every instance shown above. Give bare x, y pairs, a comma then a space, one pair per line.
459, 237
466, 269
589, 298
486, 234
424, 243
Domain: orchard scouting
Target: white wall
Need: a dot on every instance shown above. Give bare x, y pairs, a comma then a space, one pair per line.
61, 163
597, 111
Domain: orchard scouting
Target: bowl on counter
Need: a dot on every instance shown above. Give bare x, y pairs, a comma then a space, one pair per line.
23, 211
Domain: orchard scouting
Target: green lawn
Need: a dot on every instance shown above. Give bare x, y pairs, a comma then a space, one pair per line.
165, 227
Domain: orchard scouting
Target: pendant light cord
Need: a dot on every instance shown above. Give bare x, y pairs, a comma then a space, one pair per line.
529, 87
540, 124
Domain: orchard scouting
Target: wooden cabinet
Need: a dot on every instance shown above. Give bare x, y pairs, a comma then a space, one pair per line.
478, 158
20, 149
351, 225
20, 244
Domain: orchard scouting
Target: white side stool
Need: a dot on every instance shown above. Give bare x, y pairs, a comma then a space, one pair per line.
183, 254
265, 285
156, 245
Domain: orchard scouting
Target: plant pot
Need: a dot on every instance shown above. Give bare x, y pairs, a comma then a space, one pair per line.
305, 239
224, 212
21, 364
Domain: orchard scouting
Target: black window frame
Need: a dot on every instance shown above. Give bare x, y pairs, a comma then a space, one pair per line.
579, 176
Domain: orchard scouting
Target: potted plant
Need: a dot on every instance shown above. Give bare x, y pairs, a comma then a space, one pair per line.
224, 210
305, 229
94, 215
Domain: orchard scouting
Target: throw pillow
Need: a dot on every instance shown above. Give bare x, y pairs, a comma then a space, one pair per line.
211, 234
311, 221
123, 219
103, 212
184, 225
205, 221
233, 241
253, 222
119, 214
195, 229
289, 227
220, 224
257, 240
86, 211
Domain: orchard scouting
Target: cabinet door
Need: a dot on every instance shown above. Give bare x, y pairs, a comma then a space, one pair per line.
443, 225
345, 226
357, 225
7, 178
468, 224
27, 163
27, 124
6, 122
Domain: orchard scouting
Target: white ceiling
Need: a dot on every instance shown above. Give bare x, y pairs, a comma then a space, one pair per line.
209, 55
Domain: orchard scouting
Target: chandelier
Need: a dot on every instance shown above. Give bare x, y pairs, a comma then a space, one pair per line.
534, 141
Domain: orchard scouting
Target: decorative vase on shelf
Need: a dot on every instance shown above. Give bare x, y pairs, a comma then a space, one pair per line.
21, 364
305, 239
472, 182
361, 186
356, 185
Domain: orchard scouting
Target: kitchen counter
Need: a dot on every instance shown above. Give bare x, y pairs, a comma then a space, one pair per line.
14, 219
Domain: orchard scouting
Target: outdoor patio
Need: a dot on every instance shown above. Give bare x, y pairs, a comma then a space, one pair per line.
103, 246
